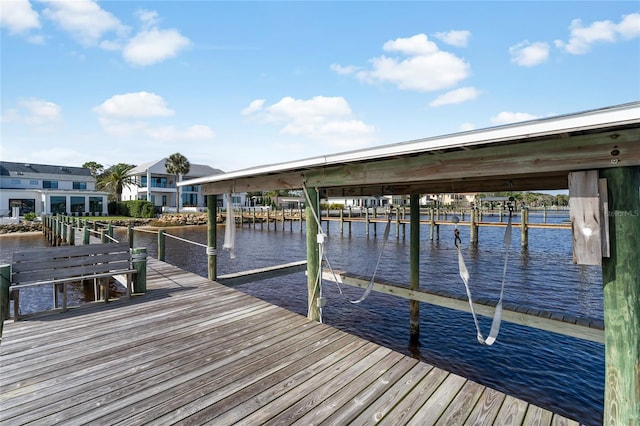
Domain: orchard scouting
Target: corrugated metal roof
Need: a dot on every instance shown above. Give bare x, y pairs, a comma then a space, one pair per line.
10, 169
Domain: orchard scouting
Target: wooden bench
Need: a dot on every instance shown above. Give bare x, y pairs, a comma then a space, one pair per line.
59, 266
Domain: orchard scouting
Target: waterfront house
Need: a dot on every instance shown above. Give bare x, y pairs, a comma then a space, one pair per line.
49, 189
153, 183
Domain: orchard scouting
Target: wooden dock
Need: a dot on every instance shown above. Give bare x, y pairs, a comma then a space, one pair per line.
195, 352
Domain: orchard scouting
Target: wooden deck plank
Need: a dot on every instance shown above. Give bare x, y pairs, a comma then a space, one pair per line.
379, 408
194, 352
432, 409
487, 407
354, 398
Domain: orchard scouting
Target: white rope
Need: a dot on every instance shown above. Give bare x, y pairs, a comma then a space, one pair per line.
464, 274
230, 229
371, 282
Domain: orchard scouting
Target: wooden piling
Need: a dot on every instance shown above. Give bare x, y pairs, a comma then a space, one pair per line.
473, 227
414, 266
139, 263
524, 229
161, 240
621, 280
129, 236
5, 283
212, 233
313, 262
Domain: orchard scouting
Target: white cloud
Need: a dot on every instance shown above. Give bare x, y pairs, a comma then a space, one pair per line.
149, 18
339, 69
84, 20
328, 119
456, 96
253, 107
512, 117
466, 127
125, 116
152, 46
18, 16
36, 112
529, 54
581, 37
134, 105
455, 38
420, 66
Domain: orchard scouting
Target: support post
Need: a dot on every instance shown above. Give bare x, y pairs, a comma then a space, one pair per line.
129, 236
5, 282
313, 263
161, 245
621, 280
414, 266
71, 232
86, 234
212, 236
139, 263
473, 227
524, 229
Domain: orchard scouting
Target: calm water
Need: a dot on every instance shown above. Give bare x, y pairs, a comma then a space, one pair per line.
561, 373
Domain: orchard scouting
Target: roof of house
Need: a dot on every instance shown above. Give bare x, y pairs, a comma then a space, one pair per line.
8, 168
195, 170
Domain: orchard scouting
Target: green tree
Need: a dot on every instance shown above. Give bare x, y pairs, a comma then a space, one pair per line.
115, 179
96, 168
177, 165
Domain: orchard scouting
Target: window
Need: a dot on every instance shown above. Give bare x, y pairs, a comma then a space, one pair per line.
164, 201
50, 184
25, 205
95, 204
80, 185
156, 182
189, 200
77, 204
58, 204
190, 188
33, 182
15, 181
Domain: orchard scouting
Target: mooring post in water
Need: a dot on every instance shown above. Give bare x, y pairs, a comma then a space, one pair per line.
5, 282
524, 229
473, 227
414, 266
139, 263
212, 236
621, 280
313, 262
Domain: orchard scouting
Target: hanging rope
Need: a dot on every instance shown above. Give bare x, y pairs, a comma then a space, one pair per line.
464, 274
230, 229
322, 255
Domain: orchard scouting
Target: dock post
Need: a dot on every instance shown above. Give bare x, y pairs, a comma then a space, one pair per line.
85, 234
397, 224
5, 282
350, 220
621, 294
212, 236
342, 220
433, 224
524, 229
71, 235
161, 250
313, 262
414, 269
129, 235
139, 263
366, 220
473, 227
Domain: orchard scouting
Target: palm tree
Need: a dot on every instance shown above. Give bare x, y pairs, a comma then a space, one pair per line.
115, 178
177, 165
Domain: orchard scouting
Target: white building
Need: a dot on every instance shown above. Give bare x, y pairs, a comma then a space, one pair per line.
153, 183
46, 189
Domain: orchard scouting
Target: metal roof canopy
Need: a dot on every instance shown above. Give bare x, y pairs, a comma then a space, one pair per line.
532, 155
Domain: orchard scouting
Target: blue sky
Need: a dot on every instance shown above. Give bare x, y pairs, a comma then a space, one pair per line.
240, 84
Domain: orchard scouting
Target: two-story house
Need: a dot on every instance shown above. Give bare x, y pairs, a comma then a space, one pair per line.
153, 183
47, 189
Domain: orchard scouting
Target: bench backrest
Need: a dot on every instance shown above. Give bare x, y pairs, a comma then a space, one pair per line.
68, 261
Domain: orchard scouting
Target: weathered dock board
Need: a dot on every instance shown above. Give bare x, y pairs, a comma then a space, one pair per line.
195, 352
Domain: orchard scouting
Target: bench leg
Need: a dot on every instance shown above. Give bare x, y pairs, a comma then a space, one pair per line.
16, 304
128, 286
